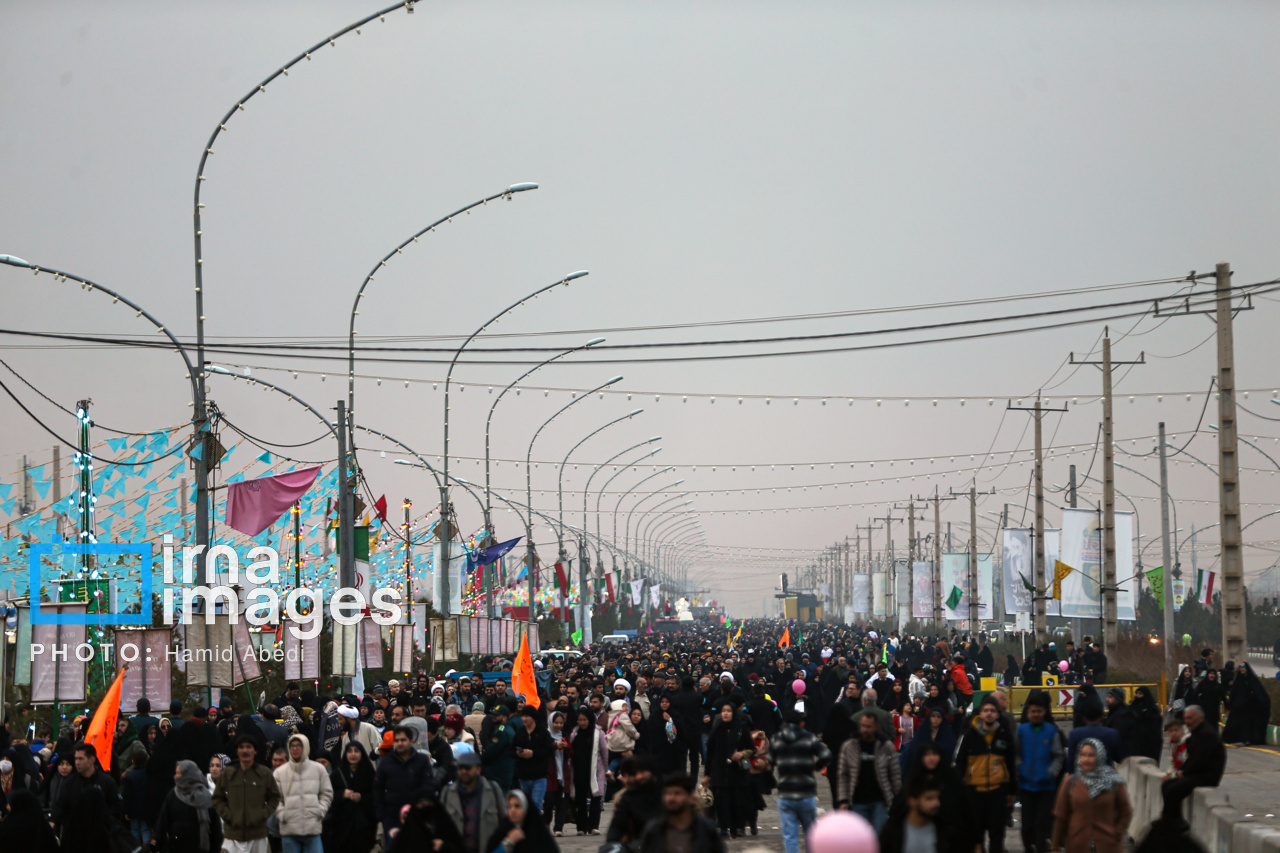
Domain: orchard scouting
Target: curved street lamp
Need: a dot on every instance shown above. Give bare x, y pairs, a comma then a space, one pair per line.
488, 421
528, 484
444, 488
618, 505
599, 496
627, 533
508, 194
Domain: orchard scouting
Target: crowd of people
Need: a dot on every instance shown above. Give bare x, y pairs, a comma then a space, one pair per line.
684, 733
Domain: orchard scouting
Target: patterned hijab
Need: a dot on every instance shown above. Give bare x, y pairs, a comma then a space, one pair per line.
1102, 778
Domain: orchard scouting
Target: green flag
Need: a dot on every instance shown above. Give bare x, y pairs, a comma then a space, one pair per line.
1026, 583
1156, 578
953, 600
576, 636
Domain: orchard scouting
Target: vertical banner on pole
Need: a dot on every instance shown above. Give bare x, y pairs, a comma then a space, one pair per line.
475, 644
464, 635
22, 663
420, 625
862, 594
922, 590
212, 652
301, 657
371, 644
344, 650
145, 651
245, 667
402, 648
535, 641
495, 636
1082, 550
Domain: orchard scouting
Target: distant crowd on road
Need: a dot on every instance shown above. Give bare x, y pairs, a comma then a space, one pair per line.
686, 733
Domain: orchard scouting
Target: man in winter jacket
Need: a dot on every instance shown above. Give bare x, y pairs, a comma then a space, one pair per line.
305, 796
245, 796
1204, 765
81, 800
399, 777
1043, 753
985, 761
474, 804
499, 756
870, 774
797, 755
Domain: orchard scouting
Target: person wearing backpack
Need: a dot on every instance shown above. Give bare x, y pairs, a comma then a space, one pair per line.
1042, 754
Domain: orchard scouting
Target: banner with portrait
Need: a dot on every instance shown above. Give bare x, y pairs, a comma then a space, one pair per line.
955, 575
1017, 572
922, 591
862, 594
1082, 550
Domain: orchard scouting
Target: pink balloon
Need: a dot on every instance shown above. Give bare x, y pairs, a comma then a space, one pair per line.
842, 832
797, 687
1062, 665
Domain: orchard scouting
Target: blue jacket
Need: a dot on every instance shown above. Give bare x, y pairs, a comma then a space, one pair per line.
1043, 751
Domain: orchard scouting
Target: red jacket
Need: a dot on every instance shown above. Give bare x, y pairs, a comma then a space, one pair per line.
960, 679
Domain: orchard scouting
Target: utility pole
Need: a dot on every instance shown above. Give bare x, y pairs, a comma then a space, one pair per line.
1167, 582
1038, 567
912, 555
1108, 586
973, 554
891, 576
1234, 644
1071, 487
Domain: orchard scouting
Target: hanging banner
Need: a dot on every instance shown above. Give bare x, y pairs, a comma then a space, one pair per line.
480, 635
1082, 550
402, 648
345, 639
246, 666
457, 573
955, 575
210, 651
301, 657
922, 591
149, 667
1179, 594
535, 641
22, 663
637, 592
878, 594
862, 594
1019, 558
655, 596
371, 647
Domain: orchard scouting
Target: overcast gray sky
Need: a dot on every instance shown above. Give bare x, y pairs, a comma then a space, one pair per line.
705, 162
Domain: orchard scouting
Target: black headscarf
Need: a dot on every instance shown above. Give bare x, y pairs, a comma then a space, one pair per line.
536, 837
25, 827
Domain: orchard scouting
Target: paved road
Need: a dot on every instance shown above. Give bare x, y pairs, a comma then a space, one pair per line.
1252, 782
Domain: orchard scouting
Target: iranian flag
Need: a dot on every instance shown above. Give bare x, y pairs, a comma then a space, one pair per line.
1207, 587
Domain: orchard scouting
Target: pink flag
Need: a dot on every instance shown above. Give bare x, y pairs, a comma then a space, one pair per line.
254, 504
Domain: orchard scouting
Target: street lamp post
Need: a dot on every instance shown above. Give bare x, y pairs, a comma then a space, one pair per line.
508, 194
199, 415
618, 505
583, 608
528, 482
599, 539
445, 535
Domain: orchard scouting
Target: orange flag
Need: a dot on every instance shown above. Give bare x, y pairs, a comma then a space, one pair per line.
523, 680
785, 642
102, 728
